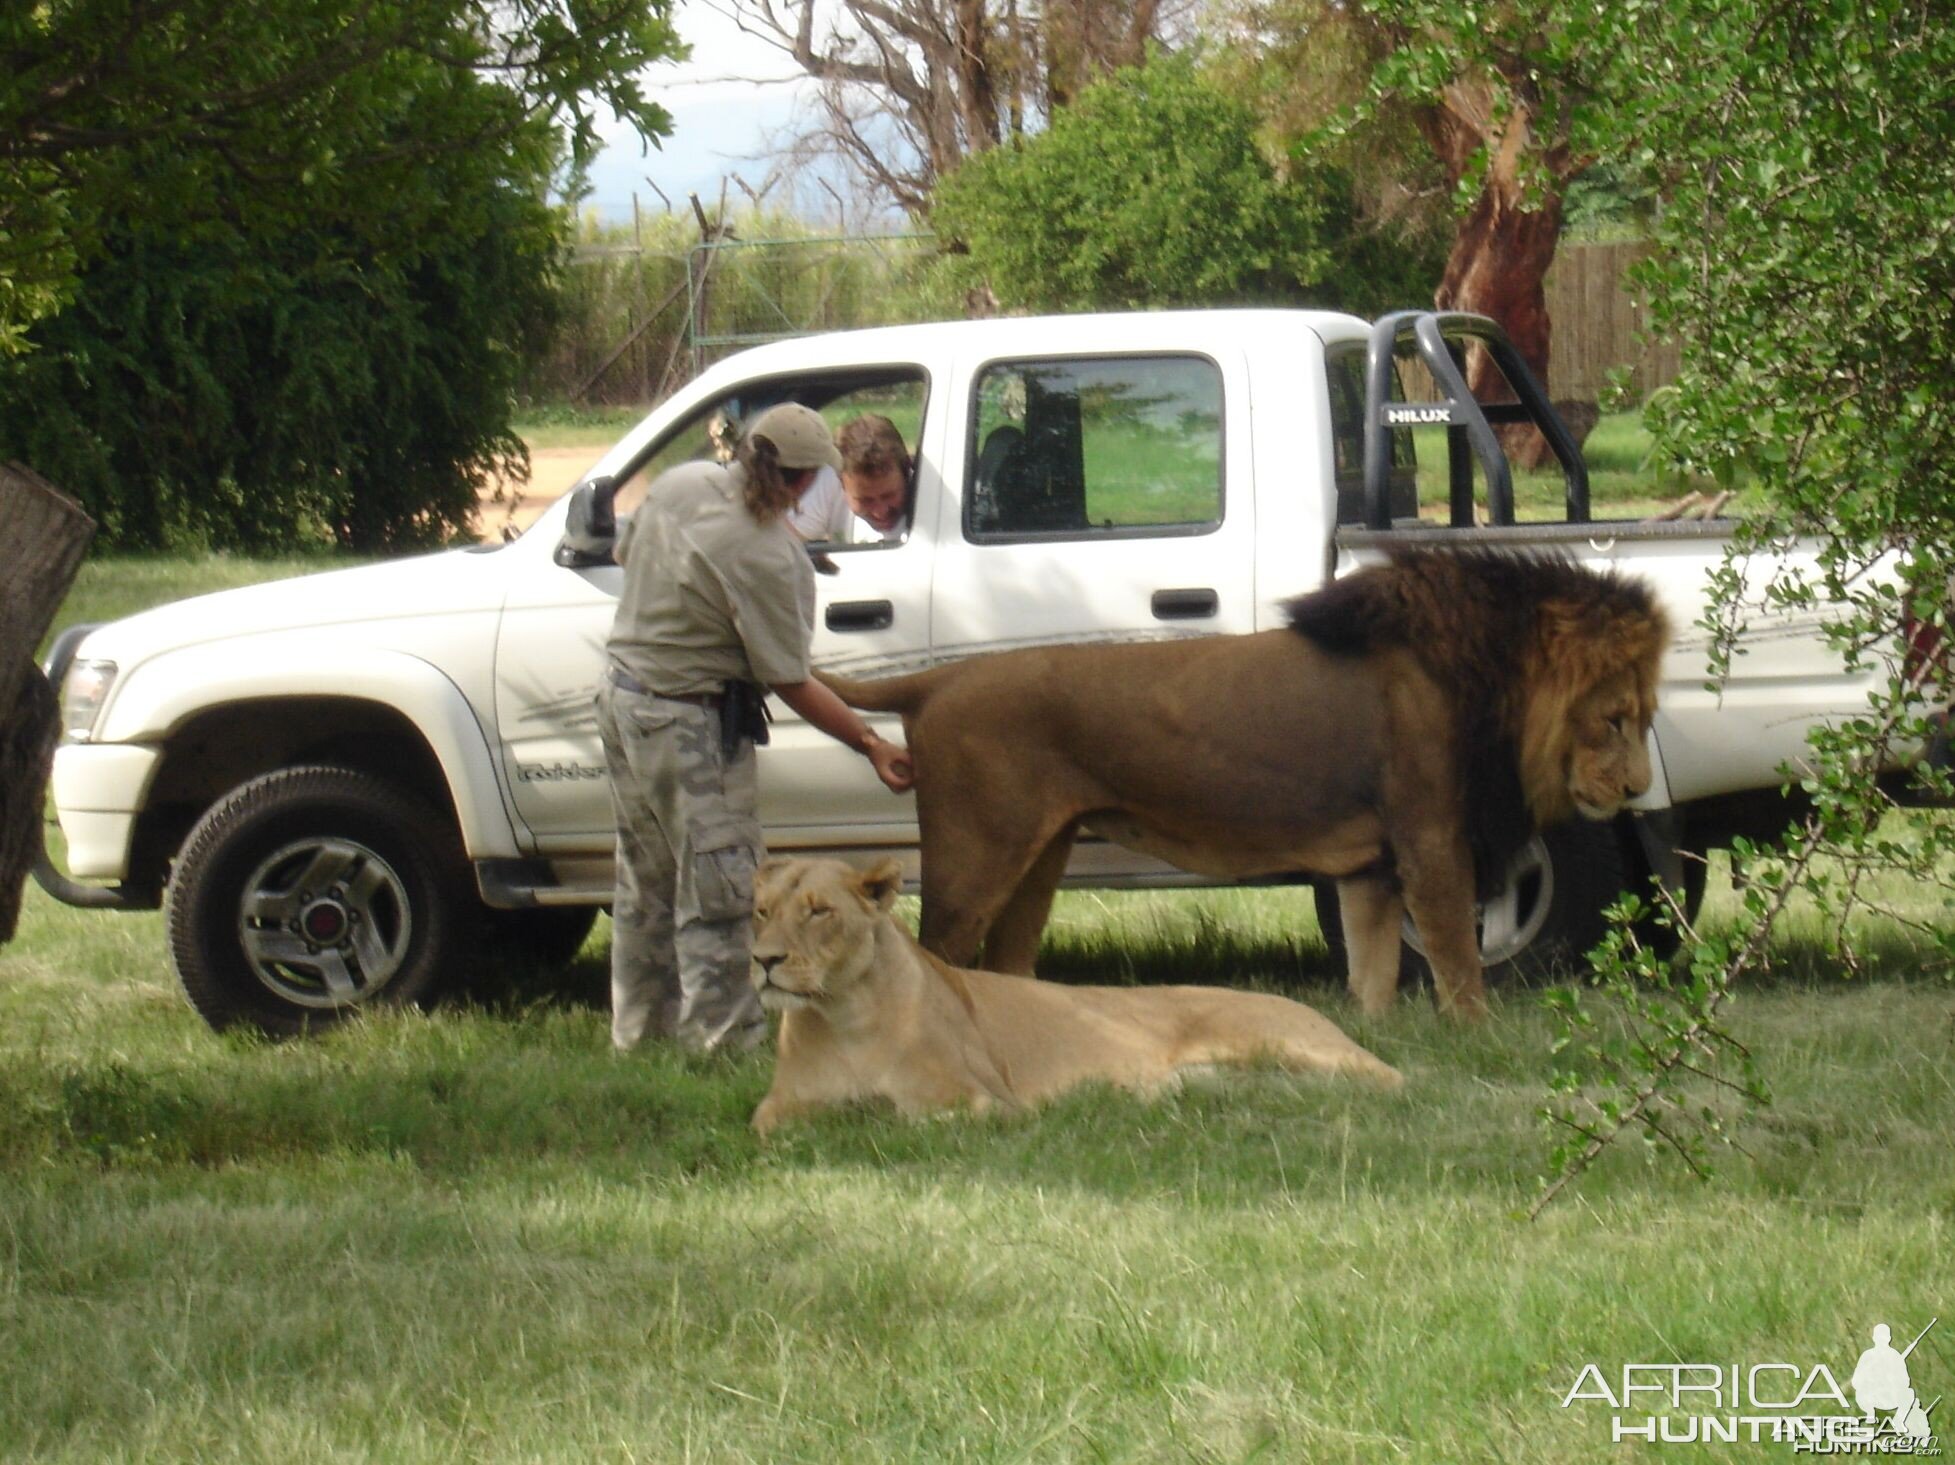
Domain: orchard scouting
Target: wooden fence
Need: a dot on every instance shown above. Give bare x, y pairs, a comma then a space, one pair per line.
1597, 320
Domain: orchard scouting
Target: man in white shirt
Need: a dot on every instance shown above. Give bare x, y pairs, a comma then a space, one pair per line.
869, 499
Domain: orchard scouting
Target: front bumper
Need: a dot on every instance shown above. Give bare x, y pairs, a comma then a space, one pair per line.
99, 790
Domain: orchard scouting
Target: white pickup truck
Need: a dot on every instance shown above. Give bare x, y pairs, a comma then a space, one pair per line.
339, 785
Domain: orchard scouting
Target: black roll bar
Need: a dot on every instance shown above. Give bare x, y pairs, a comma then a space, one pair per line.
1438, 338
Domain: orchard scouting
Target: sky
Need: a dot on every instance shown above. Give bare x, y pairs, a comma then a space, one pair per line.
723, 121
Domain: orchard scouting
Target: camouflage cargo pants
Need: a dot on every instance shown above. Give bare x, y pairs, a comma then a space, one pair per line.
688, 842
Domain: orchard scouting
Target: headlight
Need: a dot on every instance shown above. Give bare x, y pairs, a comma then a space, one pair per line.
82, 695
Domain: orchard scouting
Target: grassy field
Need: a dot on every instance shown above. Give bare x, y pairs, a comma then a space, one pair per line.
1621, 480
478, 1235
595, 428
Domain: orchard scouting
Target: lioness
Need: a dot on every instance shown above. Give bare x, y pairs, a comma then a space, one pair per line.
866, 1013
1409, 734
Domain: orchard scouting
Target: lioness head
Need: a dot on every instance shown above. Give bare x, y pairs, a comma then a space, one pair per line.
815, 927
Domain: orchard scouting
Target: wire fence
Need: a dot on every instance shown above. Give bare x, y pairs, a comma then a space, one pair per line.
639, 319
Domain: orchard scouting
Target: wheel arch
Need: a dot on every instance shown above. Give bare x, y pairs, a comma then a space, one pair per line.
407, 723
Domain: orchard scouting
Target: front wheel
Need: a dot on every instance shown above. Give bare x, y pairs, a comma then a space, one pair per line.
306, 894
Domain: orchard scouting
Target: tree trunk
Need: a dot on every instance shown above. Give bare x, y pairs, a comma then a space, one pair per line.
47, 535
1498, 267
1503, 246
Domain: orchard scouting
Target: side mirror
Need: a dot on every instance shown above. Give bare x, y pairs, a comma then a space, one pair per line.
590, 525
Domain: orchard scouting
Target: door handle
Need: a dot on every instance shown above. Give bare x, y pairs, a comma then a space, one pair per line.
1185, 605
860, 615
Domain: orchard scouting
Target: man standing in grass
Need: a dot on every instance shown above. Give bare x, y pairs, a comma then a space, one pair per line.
718, 606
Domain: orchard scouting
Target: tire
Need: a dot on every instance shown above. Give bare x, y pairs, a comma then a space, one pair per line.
254, 943
1664, 940
1542, 923
539, 938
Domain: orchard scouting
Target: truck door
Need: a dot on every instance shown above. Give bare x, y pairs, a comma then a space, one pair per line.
872, 611
1097, 501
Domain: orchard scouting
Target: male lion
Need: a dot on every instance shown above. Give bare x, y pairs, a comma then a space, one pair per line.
866, 1013
1417, 724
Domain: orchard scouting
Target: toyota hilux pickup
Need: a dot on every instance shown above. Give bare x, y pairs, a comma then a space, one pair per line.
339, 787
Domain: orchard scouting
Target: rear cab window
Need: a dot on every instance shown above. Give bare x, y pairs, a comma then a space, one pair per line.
1088, 448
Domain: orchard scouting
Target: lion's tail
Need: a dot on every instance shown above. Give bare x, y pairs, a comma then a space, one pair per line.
885, 694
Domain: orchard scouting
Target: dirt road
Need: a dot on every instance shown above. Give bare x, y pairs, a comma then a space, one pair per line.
552, 472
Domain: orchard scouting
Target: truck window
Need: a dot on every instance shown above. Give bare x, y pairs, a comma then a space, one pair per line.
1344, 375
711, 431
1079, 448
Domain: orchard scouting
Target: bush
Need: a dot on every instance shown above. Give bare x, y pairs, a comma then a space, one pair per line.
1151, 191
254, 378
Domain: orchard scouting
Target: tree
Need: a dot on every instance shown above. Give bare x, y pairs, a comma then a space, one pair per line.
267, 103
1807, 268
1500, 96
910, 89
47, 535
338, 377
1147, 191
310, 245
1304, 65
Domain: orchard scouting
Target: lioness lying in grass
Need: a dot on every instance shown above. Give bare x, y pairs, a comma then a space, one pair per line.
868, 1014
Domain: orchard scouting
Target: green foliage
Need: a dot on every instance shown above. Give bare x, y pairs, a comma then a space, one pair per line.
288, 380
1608, 203
1301, 65
1148, 191
112, 110
1808, 151
310, 332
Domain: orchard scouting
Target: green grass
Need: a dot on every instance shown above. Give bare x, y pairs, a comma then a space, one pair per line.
1623, 484
560, 425
478, 1234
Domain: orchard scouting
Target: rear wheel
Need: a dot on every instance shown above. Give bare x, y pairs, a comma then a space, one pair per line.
309, 893
1543, 920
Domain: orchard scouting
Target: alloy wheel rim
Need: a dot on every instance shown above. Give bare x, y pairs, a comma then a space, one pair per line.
325, 922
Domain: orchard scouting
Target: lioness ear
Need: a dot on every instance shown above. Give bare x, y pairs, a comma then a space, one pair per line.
881, 883
771, 867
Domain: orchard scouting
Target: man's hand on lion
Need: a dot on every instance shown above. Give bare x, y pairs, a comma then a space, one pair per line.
893, 765
822, 709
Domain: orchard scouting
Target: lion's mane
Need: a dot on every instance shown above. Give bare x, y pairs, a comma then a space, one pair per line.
1513, 639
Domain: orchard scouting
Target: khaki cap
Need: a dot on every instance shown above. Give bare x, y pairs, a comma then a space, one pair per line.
800, 438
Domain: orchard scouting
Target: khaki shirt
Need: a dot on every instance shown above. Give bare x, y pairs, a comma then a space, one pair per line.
710, 596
